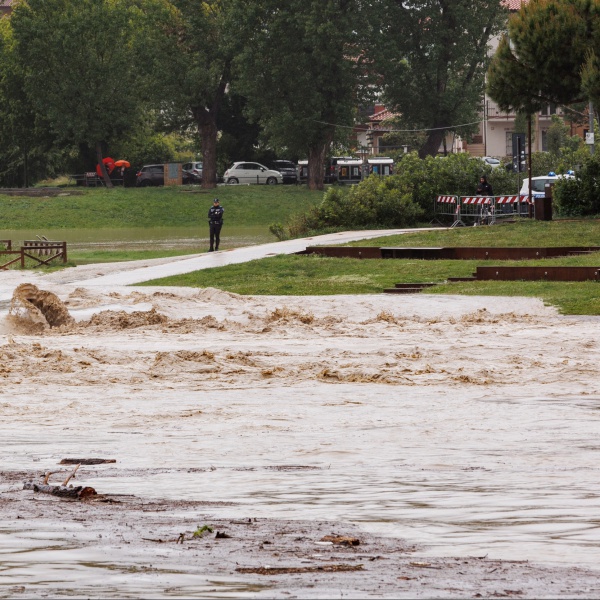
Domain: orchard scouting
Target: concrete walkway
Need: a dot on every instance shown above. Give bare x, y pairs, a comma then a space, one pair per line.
230, 257
134, 272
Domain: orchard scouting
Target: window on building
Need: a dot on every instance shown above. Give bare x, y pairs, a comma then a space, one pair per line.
509, 143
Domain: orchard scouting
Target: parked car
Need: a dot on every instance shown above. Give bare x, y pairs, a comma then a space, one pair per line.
287, 168
194, 169
491, 161
251, 172
538, 184
150, 175
155, 175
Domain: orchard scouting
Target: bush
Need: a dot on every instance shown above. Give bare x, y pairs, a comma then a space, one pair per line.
580, 196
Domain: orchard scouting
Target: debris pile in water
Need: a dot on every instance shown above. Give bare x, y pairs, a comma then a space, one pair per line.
34, 310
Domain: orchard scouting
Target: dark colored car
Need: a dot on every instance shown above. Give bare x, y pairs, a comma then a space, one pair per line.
150, 175
155, 175
287, 169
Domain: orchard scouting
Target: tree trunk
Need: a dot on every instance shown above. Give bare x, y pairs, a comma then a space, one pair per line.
316, 167
432, 144
99, 157
208, 132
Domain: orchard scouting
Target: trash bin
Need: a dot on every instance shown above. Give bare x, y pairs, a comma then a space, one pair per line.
543, 208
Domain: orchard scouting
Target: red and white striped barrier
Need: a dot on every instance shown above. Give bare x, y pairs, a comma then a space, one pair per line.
511, 199
447, 199
476, 200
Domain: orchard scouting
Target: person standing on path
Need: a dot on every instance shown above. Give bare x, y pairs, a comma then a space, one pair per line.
215, 222
484, 189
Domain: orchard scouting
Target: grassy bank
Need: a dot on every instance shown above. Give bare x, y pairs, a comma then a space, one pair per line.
153, 207
522, 233
317, 275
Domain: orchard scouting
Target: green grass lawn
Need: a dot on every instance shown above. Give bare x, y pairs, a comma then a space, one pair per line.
308, 275
153, 207
318, 275
524, 232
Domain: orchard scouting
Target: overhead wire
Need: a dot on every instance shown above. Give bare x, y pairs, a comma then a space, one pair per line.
448, 127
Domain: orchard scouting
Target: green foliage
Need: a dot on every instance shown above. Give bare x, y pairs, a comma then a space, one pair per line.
434, 74
192, 49
549, 43
300, 73
556, 136
580, 196
25, 142
80, 70
200, 531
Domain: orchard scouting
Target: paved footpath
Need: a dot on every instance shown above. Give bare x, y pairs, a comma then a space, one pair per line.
133, 272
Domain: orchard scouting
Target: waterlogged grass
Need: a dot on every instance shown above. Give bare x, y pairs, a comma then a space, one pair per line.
153, 207
522, 233
87, 257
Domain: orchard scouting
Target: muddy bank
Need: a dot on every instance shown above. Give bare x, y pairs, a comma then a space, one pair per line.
182, 550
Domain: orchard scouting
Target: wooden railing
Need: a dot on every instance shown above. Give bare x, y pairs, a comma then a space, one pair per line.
42, 252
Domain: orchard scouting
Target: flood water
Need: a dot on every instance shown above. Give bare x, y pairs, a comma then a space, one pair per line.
506, 477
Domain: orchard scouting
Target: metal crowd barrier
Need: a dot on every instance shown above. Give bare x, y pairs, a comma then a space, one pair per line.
512, 206
478, 208
447, 206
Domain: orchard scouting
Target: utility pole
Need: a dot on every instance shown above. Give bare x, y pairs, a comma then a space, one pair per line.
590, 140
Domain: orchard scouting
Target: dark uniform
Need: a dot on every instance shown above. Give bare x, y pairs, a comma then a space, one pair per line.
215, 222
484, 189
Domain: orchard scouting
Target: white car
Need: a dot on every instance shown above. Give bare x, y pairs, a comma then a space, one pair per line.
251, 172
493, 162
538, 184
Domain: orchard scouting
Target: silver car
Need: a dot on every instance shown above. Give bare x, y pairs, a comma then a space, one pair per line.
251, 172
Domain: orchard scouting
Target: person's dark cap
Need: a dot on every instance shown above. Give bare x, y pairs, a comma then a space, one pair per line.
216, 200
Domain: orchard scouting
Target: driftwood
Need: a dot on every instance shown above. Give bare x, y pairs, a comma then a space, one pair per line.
288, 570
62, 491
86, 461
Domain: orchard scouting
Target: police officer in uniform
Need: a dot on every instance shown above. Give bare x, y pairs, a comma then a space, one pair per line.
215, 222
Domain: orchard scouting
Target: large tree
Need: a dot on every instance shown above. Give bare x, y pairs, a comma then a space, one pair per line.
79, 66
432, 56
300, 71
541, 60
194, 46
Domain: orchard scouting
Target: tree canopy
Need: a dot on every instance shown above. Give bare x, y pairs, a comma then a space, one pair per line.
300, 70
194, 44
432, 56
79, 66
548, 56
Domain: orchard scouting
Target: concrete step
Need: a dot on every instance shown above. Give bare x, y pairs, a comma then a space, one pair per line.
414, 285
408, 288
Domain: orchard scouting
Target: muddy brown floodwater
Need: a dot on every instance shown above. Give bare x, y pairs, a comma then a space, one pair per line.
369, 446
